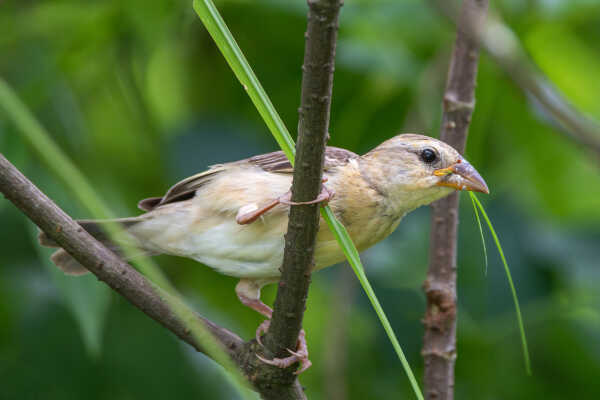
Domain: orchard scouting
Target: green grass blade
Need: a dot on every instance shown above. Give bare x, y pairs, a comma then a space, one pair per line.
62, 167
510, 283
485, 256
217, 28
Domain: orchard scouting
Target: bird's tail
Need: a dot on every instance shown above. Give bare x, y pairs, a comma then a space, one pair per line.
70, 265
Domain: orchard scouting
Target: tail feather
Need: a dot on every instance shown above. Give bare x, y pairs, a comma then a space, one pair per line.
66, 262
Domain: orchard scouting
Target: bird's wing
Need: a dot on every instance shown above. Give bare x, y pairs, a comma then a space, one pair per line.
182, 190
275, 162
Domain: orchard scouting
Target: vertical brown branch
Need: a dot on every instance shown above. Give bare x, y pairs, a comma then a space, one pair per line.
313, 125
439, 347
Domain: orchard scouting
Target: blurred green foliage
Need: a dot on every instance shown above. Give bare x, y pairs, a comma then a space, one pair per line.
137, 94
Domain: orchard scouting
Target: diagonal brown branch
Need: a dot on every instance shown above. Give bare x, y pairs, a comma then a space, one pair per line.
313, 125
439, 347
127, 281
103, 263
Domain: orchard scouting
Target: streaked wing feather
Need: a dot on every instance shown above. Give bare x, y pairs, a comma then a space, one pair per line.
182, 190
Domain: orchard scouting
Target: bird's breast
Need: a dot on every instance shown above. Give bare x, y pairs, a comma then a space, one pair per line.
362, 210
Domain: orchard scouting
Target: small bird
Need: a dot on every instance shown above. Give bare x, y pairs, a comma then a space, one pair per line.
233, 216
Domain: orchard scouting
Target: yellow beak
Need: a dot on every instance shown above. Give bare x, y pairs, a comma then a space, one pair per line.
462, 176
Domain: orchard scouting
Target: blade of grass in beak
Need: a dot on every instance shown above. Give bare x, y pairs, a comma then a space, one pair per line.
481, 234
510, 283
217, 28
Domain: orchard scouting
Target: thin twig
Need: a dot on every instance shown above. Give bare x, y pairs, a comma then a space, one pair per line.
313, 125
439, 347
103, 263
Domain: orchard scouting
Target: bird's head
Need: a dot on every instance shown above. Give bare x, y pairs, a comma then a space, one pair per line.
414, 170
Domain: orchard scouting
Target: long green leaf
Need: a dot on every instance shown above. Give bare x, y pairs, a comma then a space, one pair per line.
217, 28
510, 283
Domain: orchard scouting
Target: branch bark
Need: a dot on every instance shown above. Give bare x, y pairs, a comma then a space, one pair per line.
128, 282
100, 261
313, 125
439, 347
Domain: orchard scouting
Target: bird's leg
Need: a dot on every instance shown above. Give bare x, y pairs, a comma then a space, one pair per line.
251, 212
298, 356
248, 291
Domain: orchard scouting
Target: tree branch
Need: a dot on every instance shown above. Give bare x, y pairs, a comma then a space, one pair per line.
100, 261
313, 125
127, 281
439, 347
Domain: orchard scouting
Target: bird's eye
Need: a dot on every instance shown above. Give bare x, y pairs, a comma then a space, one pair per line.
428, 156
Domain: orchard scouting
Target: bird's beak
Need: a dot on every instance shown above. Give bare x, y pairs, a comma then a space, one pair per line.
462, 176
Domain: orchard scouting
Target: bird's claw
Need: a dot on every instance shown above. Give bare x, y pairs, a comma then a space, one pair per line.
298, 356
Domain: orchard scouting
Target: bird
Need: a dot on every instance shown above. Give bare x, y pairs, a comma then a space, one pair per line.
233, 216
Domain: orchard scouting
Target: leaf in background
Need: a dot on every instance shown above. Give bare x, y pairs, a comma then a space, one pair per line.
85, 297
166, 83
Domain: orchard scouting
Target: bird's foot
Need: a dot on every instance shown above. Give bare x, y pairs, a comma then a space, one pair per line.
298, 356
251, 212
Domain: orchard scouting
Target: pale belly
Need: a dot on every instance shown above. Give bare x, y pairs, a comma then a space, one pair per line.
244, 251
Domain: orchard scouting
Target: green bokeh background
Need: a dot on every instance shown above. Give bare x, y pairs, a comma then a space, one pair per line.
138, 96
